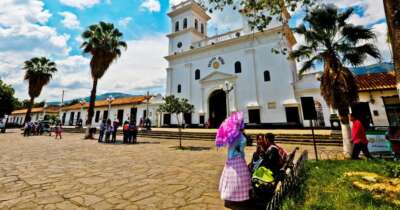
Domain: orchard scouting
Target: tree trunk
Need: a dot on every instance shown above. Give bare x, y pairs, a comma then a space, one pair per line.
179, 130
346, 131
28, 112
89, 134
392, 10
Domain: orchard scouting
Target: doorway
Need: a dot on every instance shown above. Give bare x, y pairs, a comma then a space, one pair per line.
292, 115
217, 108
120, 116
133, 115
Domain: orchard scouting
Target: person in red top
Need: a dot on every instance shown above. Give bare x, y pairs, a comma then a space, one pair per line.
359, 138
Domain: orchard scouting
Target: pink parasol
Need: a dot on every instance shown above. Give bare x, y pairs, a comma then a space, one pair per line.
229, 131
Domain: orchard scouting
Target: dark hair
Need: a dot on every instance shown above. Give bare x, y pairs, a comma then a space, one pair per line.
270, 137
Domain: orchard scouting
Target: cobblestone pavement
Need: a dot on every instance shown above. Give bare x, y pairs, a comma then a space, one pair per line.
43, 173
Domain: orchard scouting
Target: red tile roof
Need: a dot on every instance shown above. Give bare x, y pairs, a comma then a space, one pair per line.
37, 110
104, 103
376, 81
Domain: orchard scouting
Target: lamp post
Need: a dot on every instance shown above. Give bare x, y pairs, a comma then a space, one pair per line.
109, 99
147, 97
44, 111
227, 88
82, 102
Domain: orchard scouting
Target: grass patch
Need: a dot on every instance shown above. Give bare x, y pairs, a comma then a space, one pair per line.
325, 186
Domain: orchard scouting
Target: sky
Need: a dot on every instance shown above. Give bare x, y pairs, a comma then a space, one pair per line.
52, 28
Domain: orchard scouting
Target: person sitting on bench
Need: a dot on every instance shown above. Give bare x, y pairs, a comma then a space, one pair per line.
265, 169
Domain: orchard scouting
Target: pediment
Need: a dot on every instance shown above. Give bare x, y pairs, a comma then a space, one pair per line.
218, 76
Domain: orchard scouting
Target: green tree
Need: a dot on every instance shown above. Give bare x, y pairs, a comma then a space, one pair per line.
39, 71
178, 107
7, 100
331, 40
103, 42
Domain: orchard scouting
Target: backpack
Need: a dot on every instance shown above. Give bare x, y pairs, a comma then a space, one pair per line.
126, 127
282, 155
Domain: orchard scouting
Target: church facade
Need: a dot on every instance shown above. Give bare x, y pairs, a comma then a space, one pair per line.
235, 71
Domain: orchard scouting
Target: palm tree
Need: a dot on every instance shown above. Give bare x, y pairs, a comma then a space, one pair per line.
331, 41
392, 10
39, 71
104, 42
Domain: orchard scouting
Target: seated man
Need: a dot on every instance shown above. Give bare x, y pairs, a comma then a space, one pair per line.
265, 166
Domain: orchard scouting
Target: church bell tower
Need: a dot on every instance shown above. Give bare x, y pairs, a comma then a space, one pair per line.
188, 25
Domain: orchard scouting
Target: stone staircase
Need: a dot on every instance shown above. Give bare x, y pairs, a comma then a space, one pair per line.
306, 139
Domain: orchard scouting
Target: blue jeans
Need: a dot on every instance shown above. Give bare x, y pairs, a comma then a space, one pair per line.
101, 135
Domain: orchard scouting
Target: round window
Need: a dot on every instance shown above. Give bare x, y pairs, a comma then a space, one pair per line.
179, 45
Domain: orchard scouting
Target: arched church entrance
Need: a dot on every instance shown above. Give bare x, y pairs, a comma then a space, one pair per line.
217, 108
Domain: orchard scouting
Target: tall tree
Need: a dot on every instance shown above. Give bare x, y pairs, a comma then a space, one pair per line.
39, 71
7, 100
178, 107
331, 40
103, 42
392, 10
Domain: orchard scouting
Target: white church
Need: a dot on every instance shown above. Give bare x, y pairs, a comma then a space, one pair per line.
237, 71
234, 71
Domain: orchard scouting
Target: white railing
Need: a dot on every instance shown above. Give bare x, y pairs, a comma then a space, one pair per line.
182, 4
218, 38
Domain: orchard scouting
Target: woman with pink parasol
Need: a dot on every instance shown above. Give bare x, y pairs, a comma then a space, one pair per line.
235, 182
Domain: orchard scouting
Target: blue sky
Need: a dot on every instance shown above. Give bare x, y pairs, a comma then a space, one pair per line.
52, 28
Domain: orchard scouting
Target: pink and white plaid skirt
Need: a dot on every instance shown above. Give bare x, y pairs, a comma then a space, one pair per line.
235, 182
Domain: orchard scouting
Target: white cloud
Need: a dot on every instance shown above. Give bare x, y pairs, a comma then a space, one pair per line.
80, 4
70, 20
124, 21
151, 5
140, 67
23, 35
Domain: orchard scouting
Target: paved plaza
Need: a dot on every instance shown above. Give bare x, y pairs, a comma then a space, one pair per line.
43, 173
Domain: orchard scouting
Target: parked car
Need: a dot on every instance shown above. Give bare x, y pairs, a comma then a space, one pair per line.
2, 125
45, 126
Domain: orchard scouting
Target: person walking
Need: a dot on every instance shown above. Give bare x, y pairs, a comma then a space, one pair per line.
234, 185
102, 130
359, 138
58, 130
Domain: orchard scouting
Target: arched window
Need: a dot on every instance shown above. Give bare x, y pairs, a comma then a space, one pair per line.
238, 67
197, 74
202, 28
195, 24
179, 88
176, 26
184, 23
267, 76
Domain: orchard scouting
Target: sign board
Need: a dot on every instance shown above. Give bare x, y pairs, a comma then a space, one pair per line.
378, 143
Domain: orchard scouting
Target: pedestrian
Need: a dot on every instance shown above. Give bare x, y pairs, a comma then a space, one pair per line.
234, 185
148, 124
102, 130
58, 130
26, 129
125, 132
359, 138
115, 130
133, 132
109, 130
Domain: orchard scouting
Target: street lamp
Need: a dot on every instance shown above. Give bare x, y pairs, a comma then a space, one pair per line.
227, 88
147, 97
109, 99
44, 111
82, 102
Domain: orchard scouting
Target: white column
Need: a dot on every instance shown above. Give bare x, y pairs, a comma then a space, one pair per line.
188, 69
252, 58
169, 81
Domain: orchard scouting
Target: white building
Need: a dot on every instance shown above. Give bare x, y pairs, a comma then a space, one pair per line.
265, 84
123, 109
17, 117
199, 66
